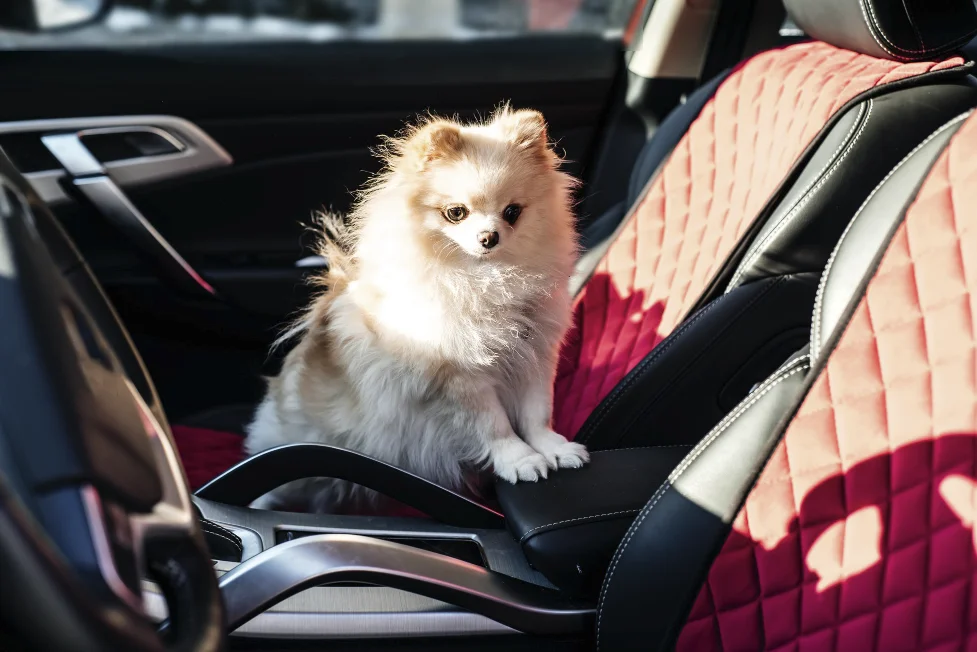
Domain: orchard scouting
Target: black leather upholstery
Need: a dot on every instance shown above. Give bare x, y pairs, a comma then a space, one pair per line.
856, 154
695, 376
570, 525
904, 30
665, 555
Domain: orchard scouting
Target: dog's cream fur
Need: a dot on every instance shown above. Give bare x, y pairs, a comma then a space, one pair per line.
426, 350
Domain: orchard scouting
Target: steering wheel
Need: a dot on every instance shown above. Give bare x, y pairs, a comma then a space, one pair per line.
92, 493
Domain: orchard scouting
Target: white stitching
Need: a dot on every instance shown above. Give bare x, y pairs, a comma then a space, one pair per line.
579, 518
773, 381
869, 24
871, 21
223, 536
819, 298
809, 193
641, 448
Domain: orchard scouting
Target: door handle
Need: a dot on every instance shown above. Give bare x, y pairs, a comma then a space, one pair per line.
191, 150
91, 180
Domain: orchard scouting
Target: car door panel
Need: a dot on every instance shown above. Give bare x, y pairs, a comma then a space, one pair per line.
297, 121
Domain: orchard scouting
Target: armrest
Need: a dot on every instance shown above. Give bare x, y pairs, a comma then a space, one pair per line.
286, 569
252, 478
570, 525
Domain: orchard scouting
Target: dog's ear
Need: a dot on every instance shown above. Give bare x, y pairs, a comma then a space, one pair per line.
435, 140
525, 128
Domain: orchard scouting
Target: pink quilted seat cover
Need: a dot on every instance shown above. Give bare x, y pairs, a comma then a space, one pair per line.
860, 532
716, 181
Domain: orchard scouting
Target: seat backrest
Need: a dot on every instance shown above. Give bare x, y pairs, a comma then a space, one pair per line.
858, 533
687, 231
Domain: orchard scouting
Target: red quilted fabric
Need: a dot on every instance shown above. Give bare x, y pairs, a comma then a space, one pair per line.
206, 453
859, 534
716, 181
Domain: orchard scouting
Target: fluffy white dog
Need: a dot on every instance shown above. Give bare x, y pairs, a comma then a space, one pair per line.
434, 345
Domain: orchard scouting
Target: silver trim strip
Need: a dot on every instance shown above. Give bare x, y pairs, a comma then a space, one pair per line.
114, 205
89, 177
72, 155
355, 612
286, 569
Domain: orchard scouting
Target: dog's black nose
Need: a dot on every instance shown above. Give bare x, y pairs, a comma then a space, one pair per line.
488, 239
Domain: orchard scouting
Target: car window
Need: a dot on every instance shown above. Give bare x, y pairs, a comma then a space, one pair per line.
161, 22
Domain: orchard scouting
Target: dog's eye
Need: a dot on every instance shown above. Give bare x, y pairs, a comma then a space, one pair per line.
511, 213
455, 213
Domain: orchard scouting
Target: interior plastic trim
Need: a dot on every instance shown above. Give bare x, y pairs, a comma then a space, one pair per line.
268, 578
250, 479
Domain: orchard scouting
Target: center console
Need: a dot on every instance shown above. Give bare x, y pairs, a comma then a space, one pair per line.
466, 570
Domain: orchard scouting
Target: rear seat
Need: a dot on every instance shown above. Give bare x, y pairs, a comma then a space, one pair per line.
834, 509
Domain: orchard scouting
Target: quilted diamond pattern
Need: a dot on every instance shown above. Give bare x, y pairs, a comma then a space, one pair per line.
715, 182
860, 532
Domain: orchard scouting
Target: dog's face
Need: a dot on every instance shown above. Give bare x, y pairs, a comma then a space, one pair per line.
486, 189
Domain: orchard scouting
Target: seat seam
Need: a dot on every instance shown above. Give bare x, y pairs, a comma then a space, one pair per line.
819, 297
890, 47
848, 145
641, 448
794, 366
640, 374
719, 336
591, 517
751, 251
657, 352
914, 24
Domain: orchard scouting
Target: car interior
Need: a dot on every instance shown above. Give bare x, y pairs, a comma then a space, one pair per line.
773, 357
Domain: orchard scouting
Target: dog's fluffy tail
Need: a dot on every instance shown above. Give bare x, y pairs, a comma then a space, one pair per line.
336, 239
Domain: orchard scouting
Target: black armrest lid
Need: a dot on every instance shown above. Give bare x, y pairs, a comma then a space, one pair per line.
570, 524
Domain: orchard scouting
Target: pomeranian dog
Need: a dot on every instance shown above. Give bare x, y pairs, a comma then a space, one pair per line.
434, 344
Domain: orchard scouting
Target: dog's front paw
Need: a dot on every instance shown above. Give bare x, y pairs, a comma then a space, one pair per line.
559, 453
513, 460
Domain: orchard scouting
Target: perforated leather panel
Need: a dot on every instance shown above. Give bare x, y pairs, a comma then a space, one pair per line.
714, 184
859, 534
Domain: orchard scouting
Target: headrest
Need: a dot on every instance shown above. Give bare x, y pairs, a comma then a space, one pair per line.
903, 30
